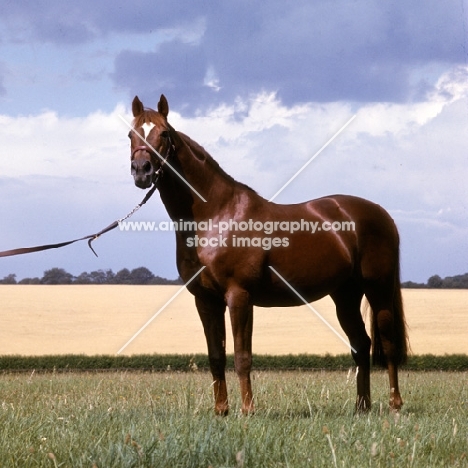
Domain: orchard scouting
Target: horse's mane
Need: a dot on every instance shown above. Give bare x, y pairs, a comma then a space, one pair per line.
201, 153
151, 116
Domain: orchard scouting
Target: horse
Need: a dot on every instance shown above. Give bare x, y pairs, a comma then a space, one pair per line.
221, 271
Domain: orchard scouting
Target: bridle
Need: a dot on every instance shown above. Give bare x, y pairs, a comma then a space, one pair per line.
151, 151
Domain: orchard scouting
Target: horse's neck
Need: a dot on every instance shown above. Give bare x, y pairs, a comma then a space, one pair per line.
203, 179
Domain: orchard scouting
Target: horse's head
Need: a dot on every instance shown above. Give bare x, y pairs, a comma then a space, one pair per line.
151, 126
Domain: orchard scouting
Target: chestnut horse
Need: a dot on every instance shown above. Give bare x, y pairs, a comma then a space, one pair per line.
345, 264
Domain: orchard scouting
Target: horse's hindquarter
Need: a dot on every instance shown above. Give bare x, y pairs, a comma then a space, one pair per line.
350, 238
316, 259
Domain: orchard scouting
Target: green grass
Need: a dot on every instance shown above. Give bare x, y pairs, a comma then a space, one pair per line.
167, 420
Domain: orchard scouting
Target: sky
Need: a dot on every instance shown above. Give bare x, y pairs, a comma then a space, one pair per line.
262, 86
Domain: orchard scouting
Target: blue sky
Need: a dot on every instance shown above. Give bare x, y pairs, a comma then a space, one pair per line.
262, 87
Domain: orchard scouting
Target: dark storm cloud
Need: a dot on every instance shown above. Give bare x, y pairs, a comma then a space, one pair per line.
59, 22
305, 51
177, 68
56, 22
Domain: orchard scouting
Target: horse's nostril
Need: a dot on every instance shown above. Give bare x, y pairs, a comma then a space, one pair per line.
142, 168
147, 167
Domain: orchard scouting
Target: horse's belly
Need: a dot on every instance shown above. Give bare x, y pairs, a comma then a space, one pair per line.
285, 300
305, 276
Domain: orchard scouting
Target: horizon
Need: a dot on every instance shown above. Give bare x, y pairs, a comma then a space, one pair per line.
76, 276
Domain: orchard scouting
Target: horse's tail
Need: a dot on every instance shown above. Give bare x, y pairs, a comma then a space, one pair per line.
400, 336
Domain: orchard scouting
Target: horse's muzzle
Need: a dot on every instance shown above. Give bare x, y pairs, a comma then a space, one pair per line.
142, 172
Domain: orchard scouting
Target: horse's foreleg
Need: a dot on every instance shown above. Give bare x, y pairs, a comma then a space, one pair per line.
211, 312
241, 312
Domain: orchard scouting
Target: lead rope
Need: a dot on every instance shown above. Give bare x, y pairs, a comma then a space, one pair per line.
91, 237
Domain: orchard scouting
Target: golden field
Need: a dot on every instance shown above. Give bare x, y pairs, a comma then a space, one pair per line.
38, 320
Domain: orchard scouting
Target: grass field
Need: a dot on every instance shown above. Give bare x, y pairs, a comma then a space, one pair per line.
166, 420
92, 320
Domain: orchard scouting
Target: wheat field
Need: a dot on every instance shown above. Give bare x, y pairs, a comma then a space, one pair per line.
40, 320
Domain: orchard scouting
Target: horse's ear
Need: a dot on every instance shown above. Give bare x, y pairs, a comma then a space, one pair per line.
163, 106
137, 106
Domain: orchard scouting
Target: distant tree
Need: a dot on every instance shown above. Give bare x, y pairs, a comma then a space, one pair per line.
95, 277
56, 276
434, 282
449, 282
164, 281
461, 281
35, 280
10, 279
141, 275
83, 278
123, 277
412, 285
102, 277
159, 280
455, 282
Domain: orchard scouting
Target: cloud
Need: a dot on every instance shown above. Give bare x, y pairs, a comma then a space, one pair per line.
47, 144
175, 67
204, 54
53, 22
400, 154
62, 24
311, 51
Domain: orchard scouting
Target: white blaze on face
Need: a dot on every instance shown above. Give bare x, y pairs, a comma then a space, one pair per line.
147, 127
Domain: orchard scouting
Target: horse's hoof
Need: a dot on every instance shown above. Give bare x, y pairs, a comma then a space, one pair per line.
222, 410
395, 407
248, 410
395, 402
363, 406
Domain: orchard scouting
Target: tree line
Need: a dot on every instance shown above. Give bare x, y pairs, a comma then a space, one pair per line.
142, 275
436, 282
139, 275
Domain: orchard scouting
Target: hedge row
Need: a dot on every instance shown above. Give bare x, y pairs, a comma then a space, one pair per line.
184, 363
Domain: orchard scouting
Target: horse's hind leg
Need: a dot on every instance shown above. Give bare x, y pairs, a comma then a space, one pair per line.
385, 348
211, 311
348, 309
385, 326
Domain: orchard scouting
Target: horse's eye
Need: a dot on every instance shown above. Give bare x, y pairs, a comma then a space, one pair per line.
165, 134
